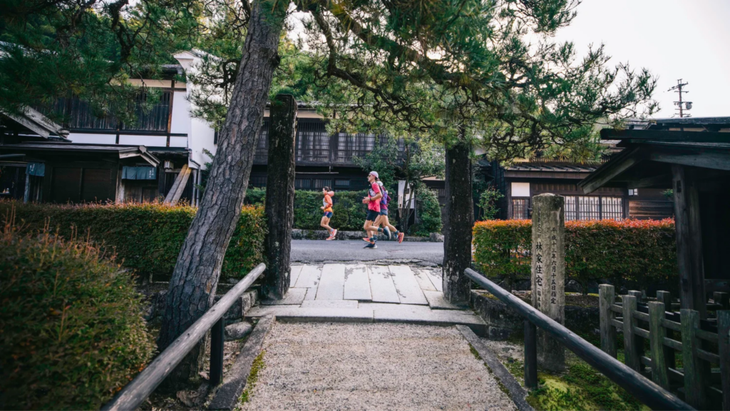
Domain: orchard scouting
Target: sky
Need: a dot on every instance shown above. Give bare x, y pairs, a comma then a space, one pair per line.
687, 39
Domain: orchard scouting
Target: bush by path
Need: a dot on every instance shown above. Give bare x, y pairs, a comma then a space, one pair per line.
637, 252
71, 326
145, 237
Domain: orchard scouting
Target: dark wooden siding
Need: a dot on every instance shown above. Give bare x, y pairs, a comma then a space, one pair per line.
315, 146
78, 115
650, 209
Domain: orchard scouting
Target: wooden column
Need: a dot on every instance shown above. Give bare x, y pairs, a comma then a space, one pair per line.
606, 297
457, 232
689, 240
279, 207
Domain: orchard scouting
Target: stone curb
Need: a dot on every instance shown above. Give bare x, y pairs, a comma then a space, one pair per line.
515, 390
227, 395
299, 234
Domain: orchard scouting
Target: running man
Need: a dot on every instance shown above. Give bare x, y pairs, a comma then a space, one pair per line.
373, 202
382, 219
327, 209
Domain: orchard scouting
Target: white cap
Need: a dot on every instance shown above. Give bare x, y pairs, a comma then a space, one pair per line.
374, 174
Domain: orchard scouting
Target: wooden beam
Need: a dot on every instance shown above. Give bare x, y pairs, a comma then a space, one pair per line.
610, 170
666, 135
179, 186
657, 181
689, 240
713, 160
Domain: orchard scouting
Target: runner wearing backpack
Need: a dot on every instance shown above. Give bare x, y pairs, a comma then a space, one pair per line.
382, 219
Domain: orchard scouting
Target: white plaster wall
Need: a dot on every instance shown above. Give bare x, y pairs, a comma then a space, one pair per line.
178, 142
143, 140
200, 134
84, 138
180, 113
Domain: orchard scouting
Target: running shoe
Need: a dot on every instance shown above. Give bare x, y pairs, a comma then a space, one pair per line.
366, 239
334, 233
330, 238
386, 230
371, 245
400, 237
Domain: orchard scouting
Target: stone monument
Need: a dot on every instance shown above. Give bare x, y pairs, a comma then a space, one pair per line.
548, 273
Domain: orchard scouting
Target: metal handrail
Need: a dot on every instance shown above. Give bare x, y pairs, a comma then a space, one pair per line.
134, 393
636, 384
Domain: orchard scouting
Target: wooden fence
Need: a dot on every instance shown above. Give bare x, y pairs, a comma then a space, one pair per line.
653, 334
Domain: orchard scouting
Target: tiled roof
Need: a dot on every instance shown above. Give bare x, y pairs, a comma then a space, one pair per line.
556, 167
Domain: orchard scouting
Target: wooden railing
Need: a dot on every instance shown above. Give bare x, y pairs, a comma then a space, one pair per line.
637, 385
700, 342
134, 393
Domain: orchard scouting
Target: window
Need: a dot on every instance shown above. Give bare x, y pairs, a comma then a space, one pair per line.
593, 208
520, 189
633, 191
302, 183
342, 183
320, 183
520, 208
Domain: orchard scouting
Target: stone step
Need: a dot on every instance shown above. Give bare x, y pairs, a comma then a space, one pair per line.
371, 312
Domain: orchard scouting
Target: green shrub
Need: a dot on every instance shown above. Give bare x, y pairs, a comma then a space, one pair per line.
635, 252
429, 213
71, 326
146, 237
255, 196
348, 211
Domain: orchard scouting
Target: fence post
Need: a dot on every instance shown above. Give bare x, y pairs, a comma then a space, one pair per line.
666, 298
631, 348
607, 295
216, 352
723, 332
530, 355
638, 294
695, 370
659, 372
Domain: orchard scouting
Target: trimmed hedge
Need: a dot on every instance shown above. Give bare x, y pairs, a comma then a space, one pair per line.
72, 332
348, 211
145, 237
637, 252
429, 213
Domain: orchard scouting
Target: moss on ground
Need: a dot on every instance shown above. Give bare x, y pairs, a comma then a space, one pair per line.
581, 387
253, 376
474, 352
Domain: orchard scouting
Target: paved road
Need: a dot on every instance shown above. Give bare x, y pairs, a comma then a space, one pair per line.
310, 251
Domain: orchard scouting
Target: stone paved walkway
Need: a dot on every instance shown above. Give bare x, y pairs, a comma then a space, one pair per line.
318, 366
367, 293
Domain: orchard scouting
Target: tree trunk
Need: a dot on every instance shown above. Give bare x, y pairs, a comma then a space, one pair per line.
457, 233
195, 278
280, 195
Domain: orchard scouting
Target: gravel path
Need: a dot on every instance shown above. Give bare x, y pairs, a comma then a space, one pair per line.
317, 366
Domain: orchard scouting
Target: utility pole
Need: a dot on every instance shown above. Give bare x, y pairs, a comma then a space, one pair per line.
682, 105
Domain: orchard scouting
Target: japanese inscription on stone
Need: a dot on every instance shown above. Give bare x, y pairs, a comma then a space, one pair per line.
548, 271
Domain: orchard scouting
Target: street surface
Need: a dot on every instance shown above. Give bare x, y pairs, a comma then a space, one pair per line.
310, 251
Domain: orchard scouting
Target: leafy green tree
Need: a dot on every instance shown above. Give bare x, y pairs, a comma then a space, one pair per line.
488, 203
465, 73
406, 159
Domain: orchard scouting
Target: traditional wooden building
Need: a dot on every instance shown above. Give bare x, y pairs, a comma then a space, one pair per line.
691, 157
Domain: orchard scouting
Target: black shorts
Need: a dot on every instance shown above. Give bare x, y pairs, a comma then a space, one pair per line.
372, 215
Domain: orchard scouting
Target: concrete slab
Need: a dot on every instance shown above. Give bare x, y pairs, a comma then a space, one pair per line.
331, 282
295, 270
294, 296
422, 315
309, 276
405, 283
332, 304
381, 284
423, 281
357, 283
310, 294
436, 279
290, 313
437, 302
